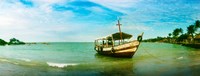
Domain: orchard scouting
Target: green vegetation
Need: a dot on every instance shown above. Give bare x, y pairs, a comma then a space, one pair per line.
158, 39
2, 42
177, 32
178, 37
12, 41
15, 41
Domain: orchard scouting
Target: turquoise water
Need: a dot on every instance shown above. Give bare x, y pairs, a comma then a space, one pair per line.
80, 59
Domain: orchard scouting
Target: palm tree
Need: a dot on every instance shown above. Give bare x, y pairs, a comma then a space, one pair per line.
181, 30
177, 31
191, 30
169, 35
197, 24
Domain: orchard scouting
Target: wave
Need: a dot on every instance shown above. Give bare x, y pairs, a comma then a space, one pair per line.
4, 60
24, 59
61, 65
28, 62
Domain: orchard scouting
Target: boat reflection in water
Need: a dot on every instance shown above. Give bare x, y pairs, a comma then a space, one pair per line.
115, 66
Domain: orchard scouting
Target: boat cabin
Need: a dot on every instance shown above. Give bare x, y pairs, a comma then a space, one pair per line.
113, 40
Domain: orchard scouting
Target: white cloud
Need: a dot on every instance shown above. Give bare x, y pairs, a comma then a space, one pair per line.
42, 23
34, 23
97, 9
12, 18
137, 28
45, 5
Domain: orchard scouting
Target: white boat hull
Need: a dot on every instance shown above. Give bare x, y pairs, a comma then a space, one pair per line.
123, 50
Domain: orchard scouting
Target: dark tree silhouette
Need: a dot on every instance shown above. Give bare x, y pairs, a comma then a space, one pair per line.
15, 41
191, 30
182, 37
170, 34
197, 24
177, 31
2, 42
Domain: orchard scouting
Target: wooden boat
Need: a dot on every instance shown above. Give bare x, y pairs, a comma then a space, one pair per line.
117, 44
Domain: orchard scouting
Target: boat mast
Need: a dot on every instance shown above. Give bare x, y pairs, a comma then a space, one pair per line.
118, 24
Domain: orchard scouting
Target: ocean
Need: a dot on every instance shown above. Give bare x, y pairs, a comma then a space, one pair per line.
80, 59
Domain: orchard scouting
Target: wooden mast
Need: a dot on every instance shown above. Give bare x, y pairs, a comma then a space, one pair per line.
118, 24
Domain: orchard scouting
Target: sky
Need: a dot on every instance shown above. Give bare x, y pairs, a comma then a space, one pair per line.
87, 20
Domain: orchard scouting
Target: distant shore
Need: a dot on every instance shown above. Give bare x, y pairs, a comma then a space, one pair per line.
13, 41
192, 44
190, 39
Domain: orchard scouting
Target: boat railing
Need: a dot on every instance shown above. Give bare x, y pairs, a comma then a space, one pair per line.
103, 45
106, 44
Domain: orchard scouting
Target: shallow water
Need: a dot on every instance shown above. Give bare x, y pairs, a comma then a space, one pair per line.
80, 59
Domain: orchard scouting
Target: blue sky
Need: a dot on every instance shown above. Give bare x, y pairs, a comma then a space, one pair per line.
86, 20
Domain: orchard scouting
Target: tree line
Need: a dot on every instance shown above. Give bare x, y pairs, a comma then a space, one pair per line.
13, 41
177, 36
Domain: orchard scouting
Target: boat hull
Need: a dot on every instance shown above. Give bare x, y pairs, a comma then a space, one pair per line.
124, 50
124, 54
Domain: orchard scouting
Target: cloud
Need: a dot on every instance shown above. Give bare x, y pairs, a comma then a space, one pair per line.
70, 20
137, 28
28, 23
88, 11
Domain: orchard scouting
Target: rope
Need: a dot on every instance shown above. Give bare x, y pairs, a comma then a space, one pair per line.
157, 58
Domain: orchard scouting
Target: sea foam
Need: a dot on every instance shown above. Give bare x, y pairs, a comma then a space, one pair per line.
24, 59
4, 60
61, 65
179, 58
